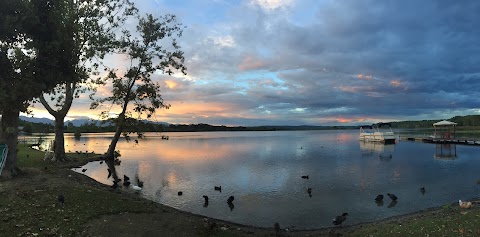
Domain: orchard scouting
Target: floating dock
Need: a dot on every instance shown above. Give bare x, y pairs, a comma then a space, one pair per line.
460, 141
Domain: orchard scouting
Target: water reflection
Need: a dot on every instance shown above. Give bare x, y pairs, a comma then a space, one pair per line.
263, 171
377, 149
445, 151
393, 203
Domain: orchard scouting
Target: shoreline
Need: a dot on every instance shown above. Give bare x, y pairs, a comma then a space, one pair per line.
345, 228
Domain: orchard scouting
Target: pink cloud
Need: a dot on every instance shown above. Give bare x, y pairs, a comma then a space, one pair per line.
251, 63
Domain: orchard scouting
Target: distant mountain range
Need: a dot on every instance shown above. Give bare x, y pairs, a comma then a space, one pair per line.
75, 122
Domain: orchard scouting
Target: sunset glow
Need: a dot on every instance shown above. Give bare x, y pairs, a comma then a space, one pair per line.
256, 62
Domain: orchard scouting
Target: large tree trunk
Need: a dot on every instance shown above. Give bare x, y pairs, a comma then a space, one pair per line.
59, 115
59, 139
9, 136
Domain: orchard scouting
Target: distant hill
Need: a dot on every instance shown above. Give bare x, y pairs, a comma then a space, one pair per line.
75, 122
36, 120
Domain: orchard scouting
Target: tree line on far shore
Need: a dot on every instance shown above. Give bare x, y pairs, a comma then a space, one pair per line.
468, 120
146, 126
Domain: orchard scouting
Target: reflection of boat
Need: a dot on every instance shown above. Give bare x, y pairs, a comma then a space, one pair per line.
384, 151
374, 134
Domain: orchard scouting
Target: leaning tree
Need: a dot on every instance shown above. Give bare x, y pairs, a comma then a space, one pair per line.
90, 26
134, 91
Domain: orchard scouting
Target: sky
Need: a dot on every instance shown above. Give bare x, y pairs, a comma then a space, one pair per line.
318, 62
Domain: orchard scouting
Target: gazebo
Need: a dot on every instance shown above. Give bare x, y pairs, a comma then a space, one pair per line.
444, 130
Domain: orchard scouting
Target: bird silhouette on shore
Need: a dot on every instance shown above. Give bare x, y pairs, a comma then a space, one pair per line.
136, 188
83, 170
422, 190
338, 220
218, 188
465, 205
304, 176
309, 191
139, 183
126, 178
180, 193
115, 184
276, 228
61, 199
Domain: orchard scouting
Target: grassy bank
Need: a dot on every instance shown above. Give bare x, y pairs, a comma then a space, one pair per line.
29, 207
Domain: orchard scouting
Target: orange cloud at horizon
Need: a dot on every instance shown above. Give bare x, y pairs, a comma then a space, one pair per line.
199, 109
346, 120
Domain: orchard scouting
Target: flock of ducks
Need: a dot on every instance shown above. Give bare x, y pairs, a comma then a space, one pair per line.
338, 220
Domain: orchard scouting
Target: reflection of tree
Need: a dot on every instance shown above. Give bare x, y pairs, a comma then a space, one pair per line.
445, 151
112, 172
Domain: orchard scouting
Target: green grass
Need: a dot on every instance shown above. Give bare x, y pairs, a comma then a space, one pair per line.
29, 206
446, 223
37, 211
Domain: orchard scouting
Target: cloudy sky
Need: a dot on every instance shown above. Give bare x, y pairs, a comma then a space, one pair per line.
319, 62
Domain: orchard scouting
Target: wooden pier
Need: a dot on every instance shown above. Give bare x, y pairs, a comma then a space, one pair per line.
460, 140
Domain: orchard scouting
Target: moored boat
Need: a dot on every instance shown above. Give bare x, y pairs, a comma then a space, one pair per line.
374, 134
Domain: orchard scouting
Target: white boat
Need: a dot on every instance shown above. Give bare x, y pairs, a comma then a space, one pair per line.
374, 134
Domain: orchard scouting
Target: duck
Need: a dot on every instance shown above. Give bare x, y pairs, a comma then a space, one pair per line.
114, 185
465, 205
140, 183
422, 190
126, 178
218, 188
180, 193
136, 188
61, 199
379, 198
392, 196
339, 219
309, 191
206, 201
276, 228
126, 183
230, 199
83, 170
304, 176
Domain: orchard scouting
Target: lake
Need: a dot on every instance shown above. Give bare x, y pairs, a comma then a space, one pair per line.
263, 170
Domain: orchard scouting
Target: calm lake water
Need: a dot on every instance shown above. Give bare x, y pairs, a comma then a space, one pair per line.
263, 170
